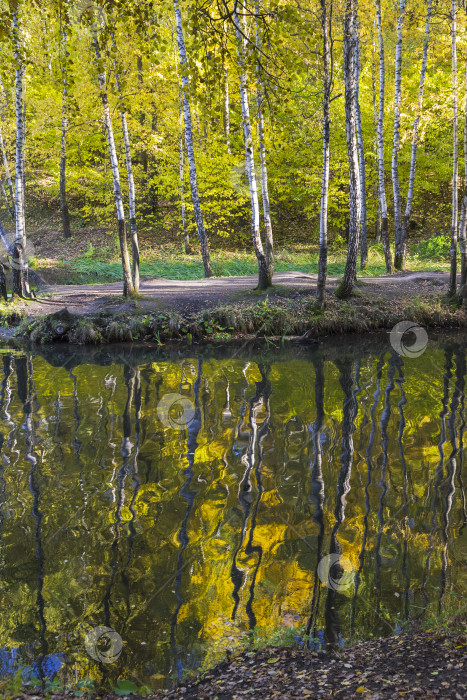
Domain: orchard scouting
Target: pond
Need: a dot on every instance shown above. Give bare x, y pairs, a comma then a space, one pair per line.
159, 507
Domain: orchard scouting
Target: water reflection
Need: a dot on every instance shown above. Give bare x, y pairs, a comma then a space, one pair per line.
188, 542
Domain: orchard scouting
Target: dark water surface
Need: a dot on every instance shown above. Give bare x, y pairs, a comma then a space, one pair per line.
187, 524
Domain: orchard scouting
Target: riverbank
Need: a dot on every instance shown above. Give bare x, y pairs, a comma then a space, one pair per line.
221, 309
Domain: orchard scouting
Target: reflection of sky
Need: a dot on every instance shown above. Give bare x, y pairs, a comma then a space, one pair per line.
11, 660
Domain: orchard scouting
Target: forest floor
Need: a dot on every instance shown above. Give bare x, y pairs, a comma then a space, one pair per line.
431, 664
220, 308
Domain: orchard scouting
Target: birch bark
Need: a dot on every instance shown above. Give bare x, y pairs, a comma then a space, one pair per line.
323, 219
455, 155
186, 235
415, 130
463, 217
350, 46
361, 151
398, 256
127, 281
264, 276
20, 269
130, 178
260, 95
380, 136
63, 139
203, 239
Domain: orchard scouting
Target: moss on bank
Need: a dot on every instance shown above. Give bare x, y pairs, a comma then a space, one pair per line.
281, 317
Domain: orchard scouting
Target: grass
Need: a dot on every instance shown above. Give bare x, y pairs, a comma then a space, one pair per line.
432, 254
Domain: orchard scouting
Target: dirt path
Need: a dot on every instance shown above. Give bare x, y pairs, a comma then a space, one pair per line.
206, 293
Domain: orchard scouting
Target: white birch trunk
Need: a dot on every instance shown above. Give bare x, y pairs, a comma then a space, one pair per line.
375, 126
350, 50
186, 235
323, 218
269, 242
398, 257
63, 140
463, 217
264, 278
361, 153
455, 154
131, 181
20, 270
413, 160
226, 95
203, 239
380, 136
127, 281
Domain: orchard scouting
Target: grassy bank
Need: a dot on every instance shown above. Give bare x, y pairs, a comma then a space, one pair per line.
281, 314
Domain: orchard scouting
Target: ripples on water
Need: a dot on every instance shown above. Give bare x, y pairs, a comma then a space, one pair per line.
187, 542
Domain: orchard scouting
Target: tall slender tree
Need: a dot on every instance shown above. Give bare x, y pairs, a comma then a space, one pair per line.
203, 239
260, 99
130, 176
399, 252
361, 150
264, 273
181, 145
127, 279
350, 76
455, 155
20, 267
326, 24
415, 130
64, 131
380, 138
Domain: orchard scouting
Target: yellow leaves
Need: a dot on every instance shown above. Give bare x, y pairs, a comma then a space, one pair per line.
273, 659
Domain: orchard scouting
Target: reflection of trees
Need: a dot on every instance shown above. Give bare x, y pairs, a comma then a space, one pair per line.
349, 410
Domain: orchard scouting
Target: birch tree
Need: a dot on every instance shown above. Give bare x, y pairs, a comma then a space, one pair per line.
463, 216
327, 87
264, 273
20, 267
415, 130
130, 176
399, 253
260, 97
186, 235
361, 150
10, 197
380, 138
203, 239
350, 78
64, 133
455, 155
127, 280
226, 91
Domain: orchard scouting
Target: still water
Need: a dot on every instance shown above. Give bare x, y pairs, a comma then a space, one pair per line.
187, 499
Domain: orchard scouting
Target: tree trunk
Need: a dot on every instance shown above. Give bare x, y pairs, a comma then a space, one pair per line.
130, 178
186, 235
382, 188
399, 260
350, 63
269, 242
375, 125
127, 281
463, 217
264, 274
323, 219
20, 270
413, 160
63, 145
226, 94
361, 152
455, 155
203, 239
